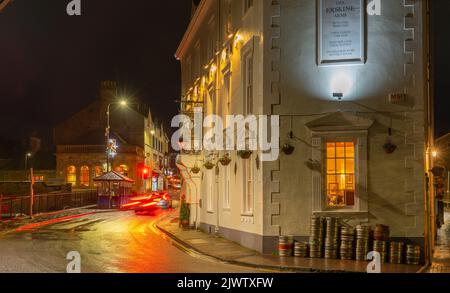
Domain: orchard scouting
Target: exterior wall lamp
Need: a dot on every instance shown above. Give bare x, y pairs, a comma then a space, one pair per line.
338, 96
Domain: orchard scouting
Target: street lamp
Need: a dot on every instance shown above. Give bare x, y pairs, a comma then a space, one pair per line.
122, 103
27, 155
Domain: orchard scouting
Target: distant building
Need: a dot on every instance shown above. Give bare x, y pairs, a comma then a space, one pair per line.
81, 143
350, 93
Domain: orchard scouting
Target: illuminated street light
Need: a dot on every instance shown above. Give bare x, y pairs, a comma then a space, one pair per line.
27, 156
122, 103
434, 154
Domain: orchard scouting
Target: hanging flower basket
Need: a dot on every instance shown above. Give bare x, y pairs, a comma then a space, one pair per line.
225, 160
245, 154
288, 149
209, 165
389, 148
195, 170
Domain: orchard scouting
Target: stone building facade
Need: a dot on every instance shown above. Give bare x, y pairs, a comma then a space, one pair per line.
81, 142
352, 102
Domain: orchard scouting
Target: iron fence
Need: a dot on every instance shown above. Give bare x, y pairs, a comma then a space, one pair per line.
14, 207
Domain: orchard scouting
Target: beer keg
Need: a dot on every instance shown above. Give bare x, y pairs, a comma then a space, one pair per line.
413, 254
382, 248
396, 252
301, 249
381, 233
285, 245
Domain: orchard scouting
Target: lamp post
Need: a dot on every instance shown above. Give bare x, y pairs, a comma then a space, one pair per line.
122, 103
27, 155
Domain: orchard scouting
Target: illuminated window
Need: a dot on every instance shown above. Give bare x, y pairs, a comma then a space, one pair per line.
84, 176
98, 171
340, 162
123, 169
72, 175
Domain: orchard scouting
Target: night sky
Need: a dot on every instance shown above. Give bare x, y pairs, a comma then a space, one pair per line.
51, 64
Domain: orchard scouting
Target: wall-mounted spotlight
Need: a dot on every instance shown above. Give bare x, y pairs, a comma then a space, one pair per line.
338, 96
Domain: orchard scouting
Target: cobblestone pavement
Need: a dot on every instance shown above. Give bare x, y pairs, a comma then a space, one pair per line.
441, 258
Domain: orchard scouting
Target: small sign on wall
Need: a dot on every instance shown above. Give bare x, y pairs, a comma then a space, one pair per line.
341, 32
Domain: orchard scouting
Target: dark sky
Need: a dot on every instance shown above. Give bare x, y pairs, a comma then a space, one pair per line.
51, 64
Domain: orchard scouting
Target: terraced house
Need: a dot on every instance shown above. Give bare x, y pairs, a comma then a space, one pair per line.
351, 91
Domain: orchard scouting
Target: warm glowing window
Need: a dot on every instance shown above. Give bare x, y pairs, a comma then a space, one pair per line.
72, 175
123, 169
84, 176
98, 171
340, 162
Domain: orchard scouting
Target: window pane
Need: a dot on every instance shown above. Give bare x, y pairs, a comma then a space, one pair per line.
331, 167
350, 150
350, 166
340, 150
331, 151
340, 166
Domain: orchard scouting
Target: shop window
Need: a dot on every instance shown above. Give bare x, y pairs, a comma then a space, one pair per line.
71, 175
340, 175
84, 176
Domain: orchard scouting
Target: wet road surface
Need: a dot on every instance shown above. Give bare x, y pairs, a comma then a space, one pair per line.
114, 242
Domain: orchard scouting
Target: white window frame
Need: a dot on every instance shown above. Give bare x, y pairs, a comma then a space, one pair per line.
226, 188
210, 182
248, 186
248, 77
247, 6
320, 196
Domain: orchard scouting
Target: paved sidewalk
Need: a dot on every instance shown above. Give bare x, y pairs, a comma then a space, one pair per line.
225, 250
441, 258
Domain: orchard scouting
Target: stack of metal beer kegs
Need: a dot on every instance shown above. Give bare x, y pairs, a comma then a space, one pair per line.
396, 252
332, 238
316, 237
381, 236
413, 254
362, 242
347, 242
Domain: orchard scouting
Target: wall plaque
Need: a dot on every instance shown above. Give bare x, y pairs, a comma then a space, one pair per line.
341, 32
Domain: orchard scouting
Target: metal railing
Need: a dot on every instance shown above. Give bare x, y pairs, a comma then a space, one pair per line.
15, 207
